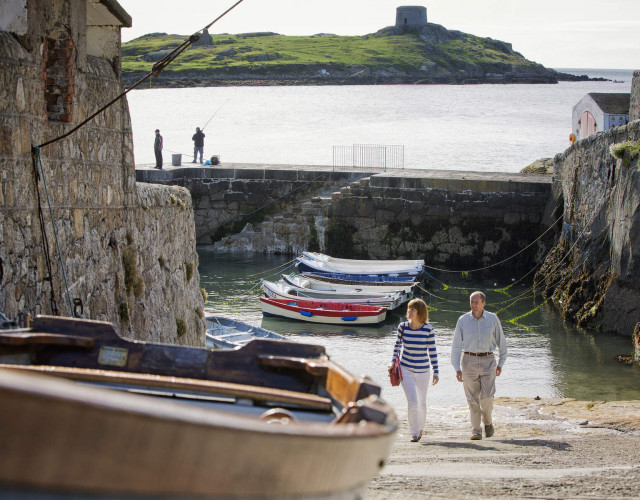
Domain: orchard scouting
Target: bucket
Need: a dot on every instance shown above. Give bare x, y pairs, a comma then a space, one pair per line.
176, 160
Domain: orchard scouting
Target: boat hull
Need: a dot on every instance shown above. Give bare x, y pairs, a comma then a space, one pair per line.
227, 333
392, 282
285, 291
316, 285
311, 261
58, 436
88, 414
317, 312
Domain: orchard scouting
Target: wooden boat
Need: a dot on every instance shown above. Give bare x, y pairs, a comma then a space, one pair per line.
382, 281
332, 313
311, 284
88, 414
227, 333
318, 262
280, 290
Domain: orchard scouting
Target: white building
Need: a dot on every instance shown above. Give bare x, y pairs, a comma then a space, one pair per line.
597, 112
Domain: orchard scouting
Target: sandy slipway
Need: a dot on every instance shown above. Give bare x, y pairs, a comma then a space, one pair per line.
548, 448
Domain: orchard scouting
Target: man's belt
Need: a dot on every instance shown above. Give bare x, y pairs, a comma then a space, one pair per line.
479, 354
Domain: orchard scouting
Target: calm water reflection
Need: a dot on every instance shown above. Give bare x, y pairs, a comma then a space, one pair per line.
547, 357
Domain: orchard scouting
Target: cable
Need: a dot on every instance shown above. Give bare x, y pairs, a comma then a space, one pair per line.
502, 261
155, 71
38, 161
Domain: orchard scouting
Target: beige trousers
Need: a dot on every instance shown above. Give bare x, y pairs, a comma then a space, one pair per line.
479, 381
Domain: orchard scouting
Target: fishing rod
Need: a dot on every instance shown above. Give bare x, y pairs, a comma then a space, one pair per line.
214, 114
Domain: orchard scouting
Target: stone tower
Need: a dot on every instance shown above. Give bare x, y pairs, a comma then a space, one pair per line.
411, 17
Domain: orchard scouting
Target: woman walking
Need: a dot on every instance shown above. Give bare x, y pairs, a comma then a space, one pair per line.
416, 347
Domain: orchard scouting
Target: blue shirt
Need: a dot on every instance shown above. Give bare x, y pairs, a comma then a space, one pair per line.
482, 334
418, 348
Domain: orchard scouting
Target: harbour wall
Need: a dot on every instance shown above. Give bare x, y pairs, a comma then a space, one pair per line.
455, 220
593, 274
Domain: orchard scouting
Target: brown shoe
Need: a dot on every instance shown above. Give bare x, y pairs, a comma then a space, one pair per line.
417, 438
475, 437
489, 430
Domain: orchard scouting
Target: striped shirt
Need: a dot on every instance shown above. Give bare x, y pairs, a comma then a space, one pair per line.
418, 348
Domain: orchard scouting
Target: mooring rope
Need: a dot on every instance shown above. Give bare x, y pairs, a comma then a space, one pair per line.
502, 261
40, 175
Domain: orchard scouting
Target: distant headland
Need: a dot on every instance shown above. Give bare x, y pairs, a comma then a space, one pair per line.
413, 51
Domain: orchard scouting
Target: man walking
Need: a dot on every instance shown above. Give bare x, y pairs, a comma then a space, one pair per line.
477, 334
157, 149
198, 144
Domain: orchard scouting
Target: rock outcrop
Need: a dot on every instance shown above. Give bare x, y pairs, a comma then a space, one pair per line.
593, 273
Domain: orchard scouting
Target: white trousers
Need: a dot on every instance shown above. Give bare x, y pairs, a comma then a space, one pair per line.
415, 387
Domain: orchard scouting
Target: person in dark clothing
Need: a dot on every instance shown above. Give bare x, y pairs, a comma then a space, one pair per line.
157, 149
198, 144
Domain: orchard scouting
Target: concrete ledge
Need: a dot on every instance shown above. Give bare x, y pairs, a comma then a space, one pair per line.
446, 180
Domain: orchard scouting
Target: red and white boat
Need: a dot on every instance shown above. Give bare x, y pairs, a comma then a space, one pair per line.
317, 311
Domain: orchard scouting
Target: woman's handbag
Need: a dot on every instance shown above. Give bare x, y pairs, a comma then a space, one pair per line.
395, 373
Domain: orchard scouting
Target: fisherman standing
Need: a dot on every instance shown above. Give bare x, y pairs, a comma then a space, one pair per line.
157, 149
198, 144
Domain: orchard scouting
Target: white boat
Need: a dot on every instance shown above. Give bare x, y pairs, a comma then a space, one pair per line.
227, 333
318, 262
319, 311
314, 284
281, 290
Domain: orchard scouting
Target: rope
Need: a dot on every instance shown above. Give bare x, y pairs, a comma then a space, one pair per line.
38, 162
155, 71
284, 266
502, 261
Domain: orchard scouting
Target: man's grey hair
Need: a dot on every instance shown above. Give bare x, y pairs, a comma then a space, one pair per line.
482, 296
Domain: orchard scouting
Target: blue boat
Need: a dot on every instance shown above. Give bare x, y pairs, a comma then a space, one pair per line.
361, 279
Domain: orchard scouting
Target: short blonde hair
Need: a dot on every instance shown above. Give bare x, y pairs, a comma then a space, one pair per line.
421, 309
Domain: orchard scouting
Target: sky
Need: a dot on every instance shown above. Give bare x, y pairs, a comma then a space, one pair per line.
555, 33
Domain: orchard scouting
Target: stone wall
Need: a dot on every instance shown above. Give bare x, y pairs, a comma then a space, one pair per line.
450, 221
634, 107
593, 273
221, 195
456, 220
125, 251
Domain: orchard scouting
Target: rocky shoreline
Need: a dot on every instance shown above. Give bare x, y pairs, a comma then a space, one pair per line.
190, 80
543, 448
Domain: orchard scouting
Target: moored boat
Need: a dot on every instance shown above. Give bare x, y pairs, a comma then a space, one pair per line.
333, 313
318, 262
311, 284
361, 279
227, 333
280, 290
268, 420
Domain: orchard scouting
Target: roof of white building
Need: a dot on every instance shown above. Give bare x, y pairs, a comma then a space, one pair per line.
614, 104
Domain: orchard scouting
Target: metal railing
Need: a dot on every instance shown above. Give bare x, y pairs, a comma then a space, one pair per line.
369, 156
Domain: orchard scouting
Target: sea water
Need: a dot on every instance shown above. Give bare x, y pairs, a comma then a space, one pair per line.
492, 128
547, 357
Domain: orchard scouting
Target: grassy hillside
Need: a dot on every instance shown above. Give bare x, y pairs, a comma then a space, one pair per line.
434, 52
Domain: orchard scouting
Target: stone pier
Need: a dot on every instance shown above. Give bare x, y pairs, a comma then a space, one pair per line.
452, 219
